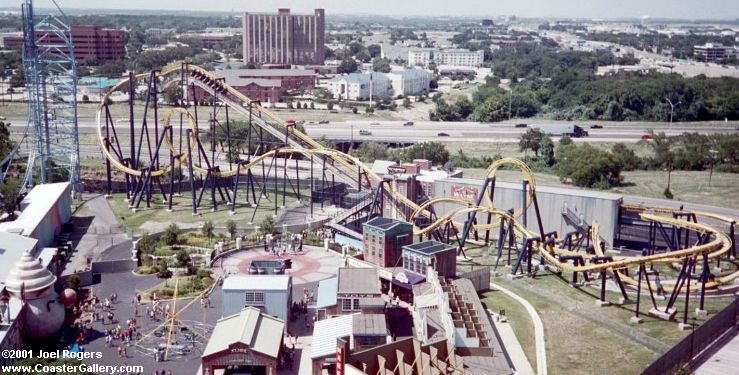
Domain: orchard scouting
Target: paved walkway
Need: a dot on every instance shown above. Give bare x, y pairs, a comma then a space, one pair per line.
512, 346
724, 361
541, 352
95, 232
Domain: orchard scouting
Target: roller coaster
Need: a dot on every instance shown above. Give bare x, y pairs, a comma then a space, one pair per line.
175, 150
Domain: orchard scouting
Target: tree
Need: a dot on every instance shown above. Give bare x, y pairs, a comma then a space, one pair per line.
183, 258
6, 143
325, 142
171, 234
9, 197
375, 50
436, 152
363, 56
547, 150
354, 110
17, 79
661, 145
586, 166
73, 281
171, 94
267, 226
85, 98
371, 151
330, 105
146, 245
627, 156
531, 140
347, 65
406, 102
207, 230
231, 228
381, 65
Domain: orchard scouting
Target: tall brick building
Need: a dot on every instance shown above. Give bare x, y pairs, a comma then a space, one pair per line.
384, 239
91, 43
284, 38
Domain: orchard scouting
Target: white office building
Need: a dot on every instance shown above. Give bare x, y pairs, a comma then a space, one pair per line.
409, 81
713, 52
456, 57
357, 86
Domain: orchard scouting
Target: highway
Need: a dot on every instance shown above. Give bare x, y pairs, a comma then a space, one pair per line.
395, 131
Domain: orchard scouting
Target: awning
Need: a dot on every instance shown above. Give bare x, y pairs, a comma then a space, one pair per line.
413, 279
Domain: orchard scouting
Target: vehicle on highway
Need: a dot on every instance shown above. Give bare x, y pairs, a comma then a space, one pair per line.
375, 123
522, 125
408, 123
564, 130
646, 136
323, 122
442, 134
365, 132
596, 126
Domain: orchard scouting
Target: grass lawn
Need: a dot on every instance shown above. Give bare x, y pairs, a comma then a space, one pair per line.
582, 338
157, 218
518, 318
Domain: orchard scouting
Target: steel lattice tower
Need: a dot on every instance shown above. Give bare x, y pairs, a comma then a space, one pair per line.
51, 140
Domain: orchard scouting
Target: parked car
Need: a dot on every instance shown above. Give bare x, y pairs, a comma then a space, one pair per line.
365, 132
323, 122
646, 136
408, 123
522, 125
596, 126
442, 134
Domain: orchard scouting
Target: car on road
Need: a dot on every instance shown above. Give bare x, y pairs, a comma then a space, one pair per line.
596, 126
365, 132
646, 136
442, 134
374, 123
522, 125
323, 122
408, 123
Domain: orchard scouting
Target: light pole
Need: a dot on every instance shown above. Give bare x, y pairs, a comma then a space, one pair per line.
672, 110
713, 154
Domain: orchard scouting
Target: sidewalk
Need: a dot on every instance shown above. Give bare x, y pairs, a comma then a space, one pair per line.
541, 351
94, 232
512, 346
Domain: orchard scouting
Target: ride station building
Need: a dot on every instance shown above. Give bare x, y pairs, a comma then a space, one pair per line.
248, 342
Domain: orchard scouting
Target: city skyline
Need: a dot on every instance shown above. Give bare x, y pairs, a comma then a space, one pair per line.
679, 9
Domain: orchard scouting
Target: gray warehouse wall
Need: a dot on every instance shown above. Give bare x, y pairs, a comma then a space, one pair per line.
593, 206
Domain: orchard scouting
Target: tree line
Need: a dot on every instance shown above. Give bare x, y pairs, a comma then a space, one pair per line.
563, 86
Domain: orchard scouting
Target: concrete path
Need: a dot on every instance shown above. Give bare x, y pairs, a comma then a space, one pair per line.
512, 346
541, 353
94, 233
724, 361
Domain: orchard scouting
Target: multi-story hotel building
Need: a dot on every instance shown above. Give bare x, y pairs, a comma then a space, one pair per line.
284, 38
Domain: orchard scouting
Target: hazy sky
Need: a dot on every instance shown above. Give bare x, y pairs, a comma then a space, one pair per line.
688, 9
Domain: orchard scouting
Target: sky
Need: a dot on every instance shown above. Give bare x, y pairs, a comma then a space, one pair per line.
685, 9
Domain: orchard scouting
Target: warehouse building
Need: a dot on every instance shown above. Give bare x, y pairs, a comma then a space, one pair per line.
554, 203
